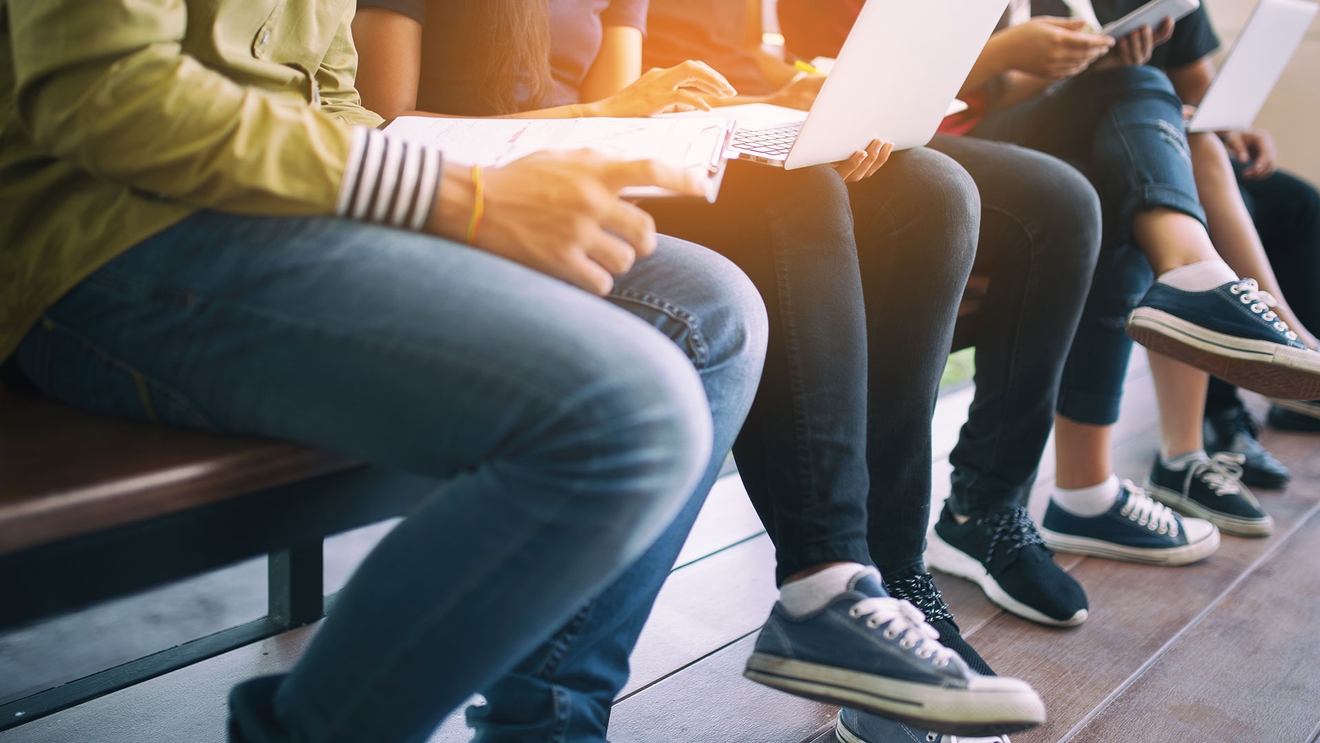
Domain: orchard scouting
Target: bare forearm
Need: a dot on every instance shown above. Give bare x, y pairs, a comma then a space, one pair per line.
573, 111
991, 64
1021, 86
775, 70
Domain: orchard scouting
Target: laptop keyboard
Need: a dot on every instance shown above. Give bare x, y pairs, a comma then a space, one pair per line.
774, 141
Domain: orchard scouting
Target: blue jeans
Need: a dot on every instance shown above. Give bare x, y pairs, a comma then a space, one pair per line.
1123, 128
563, 433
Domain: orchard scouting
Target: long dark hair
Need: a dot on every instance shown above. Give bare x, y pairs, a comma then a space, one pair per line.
511, 43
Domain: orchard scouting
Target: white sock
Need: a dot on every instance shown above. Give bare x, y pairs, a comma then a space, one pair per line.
1182, 461
1199, 277
816, 591
1088, 502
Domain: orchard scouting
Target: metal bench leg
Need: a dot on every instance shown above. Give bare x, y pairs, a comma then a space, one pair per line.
295, 585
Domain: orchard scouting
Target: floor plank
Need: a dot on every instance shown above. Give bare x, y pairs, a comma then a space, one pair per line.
1247, 671
1135, 610
727, 518
711, 702
703, 607
186, 705
1257, 639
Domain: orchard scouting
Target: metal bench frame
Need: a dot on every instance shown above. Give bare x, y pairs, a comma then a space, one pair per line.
64, 576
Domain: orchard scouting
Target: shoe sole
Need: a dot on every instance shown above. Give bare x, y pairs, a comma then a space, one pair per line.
1301, 407
1234, 525
845, 735
926, 706
946, 558
1270, 483
1272, 369
1166, 556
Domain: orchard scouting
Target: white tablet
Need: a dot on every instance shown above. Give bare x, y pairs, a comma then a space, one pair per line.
1151, 14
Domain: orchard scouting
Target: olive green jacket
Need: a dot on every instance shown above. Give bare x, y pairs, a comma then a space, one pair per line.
118, 118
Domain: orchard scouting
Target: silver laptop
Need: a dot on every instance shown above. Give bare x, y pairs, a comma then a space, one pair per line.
900, 68
1252, 69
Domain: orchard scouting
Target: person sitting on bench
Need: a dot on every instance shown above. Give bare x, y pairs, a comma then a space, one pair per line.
203, 227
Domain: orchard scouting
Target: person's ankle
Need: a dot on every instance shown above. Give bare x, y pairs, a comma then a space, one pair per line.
1091, 501
807, 573
1200, 276
818, 587
1182, 460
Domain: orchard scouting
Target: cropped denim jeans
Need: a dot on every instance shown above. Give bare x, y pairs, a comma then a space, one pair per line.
1124, 129
563, 432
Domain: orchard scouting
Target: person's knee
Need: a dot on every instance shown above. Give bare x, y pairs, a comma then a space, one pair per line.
630, 428
944, 193
724, 315
1142, 78
1060, 211
1071, 197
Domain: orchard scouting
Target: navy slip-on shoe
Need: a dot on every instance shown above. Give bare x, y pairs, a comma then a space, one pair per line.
1211, 490
875, 653
1230, 332
1134, 529
853, 726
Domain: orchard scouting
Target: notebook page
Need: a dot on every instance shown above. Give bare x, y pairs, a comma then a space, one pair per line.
691, 144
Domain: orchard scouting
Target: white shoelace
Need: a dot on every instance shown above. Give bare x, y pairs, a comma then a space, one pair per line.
1221, 472
904, 620
1261, 301
1146, 512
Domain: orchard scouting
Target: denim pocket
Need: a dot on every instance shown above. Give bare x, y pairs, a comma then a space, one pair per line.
69, 368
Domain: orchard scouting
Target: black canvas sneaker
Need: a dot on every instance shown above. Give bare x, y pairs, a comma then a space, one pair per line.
1235, 431
919, 589
1005, 556
1211, 490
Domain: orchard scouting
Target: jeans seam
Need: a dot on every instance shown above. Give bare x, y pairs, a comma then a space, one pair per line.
792, 352
1032, 242
697, 341
562, 642
143, 383
563, 711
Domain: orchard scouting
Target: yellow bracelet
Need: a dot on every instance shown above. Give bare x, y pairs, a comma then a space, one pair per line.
478, 204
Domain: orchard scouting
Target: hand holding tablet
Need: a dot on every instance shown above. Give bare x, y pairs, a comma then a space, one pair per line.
1151, 14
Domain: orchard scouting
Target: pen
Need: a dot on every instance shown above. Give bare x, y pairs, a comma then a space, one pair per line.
807, 68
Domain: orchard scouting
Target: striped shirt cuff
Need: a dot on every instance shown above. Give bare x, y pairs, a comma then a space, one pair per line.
388, 180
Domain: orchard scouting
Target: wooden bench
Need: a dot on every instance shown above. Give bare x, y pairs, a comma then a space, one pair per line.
94, 508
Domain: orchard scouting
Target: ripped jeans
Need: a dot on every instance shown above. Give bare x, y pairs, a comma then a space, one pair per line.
1123, 128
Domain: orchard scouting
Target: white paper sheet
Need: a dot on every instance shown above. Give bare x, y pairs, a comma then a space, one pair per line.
692, 144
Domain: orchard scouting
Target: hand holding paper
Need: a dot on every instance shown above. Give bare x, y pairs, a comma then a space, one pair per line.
558, 212
695, 145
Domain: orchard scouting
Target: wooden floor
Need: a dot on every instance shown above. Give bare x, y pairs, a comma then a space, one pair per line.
1223, 651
